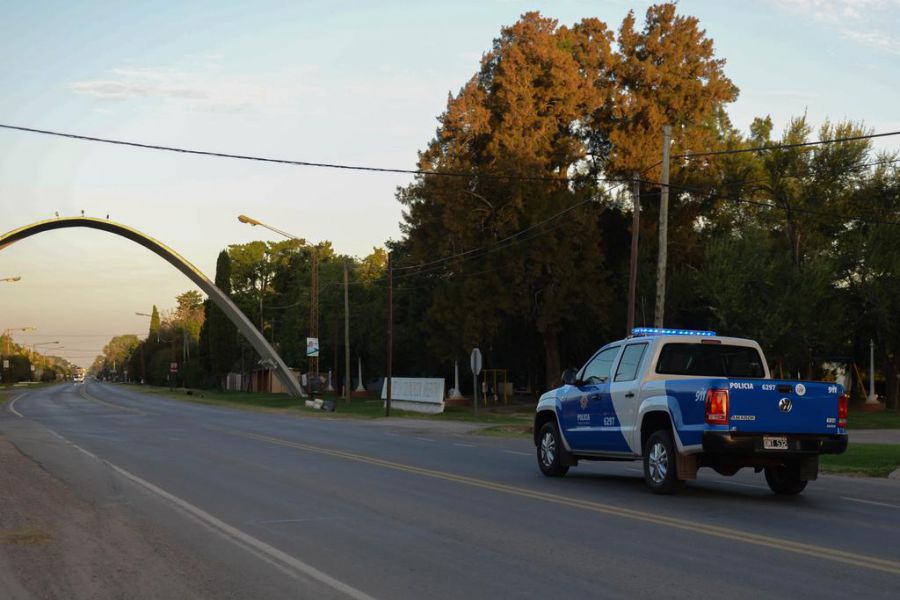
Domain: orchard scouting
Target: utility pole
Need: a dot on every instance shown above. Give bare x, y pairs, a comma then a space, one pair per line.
390, 349
635, 234
659, 316
872, 399
346, 333
314, 314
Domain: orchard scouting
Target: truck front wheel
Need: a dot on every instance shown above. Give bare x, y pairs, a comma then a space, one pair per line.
660, 471
549, 451
785, 480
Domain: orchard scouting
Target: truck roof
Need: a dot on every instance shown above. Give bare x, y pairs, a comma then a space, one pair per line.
693, 339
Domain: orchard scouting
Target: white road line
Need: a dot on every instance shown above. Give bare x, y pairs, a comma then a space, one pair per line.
465, 445
426, 439
517, 452
748, 485
273, 555
12, 406
873, 502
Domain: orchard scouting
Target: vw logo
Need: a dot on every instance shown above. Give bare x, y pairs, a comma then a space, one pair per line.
785, 405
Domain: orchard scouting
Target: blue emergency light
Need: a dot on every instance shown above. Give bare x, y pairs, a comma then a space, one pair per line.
656, 331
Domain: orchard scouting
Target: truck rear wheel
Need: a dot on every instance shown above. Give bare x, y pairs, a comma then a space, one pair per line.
549, 451
660, 471
785, 480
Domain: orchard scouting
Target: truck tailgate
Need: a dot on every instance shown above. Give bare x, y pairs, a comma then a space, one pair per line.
773, 406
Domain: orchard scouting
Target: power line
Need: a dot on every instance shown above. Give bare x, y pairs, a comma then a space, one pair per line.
510, 240
422, 171
785, 146
499, 244
713, 194
300, 163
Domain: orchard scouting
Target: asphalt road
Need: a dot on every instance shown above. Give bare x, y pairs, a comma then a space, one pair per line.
284, 507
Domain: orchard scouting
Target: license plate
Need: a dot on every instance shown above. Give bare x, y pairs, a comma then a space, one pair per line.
771, 442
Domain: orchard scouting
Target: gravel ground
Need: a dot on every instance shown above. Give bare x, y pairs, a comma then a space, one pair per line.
54, 544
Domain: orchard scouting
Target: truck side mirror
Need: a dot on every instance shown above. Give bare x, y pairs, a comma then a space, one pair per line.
568, 376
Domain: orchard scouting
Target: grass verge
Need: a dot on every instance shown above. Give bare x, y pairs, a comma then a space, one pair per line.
359, 408
872, 460
886, 419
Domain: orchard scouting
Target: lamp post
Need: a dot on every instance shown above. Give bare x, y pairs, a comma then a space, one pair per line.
33, 351
6, 333
314, 296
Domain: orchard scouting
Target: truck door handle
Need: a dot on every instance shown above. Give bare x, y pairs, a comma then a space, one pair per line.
629, 395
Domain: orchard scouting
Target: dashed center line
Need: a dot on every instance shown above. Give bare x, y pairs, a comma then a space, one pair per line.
518, 453
748, 537
464, 445
425, 439
873, 502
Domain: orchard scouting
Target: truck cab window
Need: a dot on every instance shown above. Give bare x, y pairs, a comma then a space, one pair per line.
631, 360
597, 371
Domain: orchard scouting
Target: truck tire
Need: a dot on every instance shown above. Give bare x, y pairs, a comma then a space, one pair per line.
785, 480
549, 451
660, 471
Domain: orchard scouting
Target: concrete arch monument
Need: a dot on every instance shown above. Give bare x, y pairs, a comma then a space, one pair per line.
269, 356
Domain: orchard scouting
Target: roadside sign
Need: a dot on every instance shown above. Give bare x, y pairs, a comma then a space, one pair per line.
173, 367
312, 347
5, 364
475, 361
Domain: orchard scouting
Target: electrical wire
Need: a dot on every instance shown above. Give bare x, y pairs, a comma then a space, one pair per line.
421, 171
299, 163
855, 138
712, 194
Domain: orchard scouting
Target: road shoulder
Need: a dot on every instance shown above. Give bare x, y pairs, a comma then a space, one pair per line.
55, 544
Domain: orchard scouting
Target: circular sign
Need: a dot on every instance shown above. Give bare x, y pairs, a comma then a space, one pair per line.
475, 361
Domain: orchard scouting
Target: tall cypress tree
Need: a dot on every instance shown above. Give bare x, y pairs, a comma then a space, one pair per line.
223, 335
154, 325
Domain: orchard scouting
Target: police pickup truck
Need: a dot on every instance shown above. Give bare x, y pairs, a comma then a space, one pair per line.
682, 399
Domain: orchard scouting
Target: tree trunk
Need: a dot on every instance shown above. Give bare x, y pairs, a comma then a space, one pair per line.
551, 359
892, 384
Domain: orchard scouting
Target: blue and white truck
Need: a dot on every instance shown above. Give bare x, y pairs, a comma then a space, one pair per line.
682, 399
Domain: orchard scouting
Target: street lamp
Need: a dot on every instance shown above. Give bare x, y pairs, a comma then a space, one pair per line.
11, 279
314, 302
33, 351
36, 344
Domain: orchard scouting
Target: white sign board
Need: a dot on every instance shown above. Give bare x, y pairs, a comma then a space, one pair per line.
418, 394
475, 361
312, 347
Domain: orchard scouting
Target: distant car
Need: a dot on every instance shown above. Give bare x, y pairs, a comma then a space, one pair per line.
78, 379
679, 400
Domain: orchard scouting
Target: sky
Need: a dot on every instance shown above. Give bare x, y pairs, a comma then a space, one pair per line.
331, 81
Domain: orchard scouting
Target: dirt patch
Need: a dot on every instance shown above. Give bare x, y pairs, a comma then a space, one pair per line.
55, 545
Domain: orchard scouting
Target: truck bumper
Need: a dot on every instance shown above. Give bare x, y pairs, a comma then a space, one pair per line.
751, 444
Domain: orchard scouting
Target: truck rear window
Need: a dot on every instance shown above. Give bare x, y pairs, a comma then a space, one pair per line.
708, 360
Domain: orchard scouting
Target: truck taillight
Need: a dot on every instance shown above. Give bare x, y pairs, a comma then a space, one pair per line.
717, 407
842, 411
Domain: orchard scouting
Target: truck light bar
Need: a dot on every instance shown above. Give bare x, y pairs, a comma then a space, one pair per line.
656, 331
